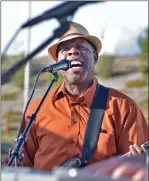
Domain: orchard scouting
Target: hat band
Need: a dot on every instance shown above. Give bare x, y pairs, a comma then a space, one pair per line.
74, 34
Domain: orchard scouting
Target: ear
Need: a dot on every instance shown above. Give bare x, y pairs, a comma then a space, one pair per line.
95, 54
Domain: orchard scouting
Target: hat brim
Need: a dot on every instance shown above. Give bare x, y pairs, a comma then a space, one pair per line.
94, 40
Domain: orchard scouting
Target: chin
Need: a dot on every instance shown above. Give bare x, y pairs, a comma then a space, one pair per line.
75, 80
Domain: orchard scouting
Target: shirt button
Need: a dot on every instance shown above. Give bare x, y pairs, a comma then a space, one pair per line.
74, 121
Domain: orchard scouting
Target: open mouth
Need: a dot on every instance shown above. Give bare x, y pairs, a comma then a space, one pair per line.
76, 64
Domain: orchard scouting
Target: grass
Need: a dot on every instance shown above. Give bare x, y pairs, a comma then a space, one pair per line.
9, 96
104, 67
137, 83
144, 104
144, 107
18, 78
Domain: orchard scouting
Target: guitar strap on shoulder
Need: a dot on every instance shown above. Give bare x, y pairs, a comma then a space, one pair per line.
94, 123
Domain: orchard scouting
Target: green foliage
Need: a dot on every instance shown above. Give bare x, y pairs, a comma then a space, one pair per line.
104, 67
143, 43
144, 108
144, 68
145, 46
13, 116
144, 104
137, 83
10, 96
47, 77
4, 59
9, 61
59, 81
5, 146
18, 78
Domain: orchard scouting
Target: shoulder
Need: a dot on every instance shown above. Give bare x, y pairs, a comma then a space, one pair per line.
124, 102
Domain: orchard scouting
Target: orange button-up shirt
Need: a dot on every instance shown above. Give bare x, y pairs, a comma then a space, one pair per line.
58, 130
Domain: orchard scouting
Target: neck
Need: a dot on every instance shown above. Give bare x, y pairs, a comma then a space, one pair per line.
75, 90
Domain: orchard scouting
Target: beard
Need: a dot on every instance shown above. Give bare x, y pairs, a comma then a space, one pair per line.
72, 78
75, 79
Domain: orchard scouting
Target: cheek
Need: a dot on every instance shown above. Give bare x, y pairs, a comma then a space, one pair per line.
89, 56
90, 60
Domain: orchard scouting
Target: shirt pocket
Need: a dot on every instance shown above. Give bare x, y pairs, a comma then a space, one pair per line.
106, 147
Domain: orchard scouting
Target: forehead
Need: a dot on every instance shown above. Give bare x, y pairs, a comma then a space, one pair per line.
76, 41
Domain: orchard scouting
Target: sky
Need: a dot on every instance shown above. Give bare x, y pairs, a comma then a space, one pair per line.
120, 21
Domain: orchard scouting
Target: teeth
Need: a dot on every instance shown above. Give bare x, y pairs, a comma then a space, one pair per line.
76, 63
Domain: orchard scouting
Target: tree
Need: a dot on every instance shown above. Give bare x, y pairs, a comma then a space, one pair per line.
143, 43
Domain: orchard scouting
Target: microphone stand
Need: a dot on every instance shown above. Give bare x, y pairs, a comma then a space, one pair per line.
16, 152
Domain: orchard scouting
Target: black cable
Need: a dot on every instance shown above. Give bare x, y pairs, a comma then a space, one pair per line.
33, 90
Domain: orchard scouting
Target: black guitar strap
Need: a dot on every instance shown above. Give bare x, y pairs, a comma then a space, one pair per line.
94, 123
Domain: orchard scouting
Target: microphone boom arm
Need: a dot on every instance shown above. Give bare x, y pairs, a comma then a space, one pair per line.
6, 76
64, 9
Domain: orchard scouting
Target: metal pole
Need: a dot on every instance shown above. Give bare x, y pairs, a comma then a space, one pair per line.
27, 67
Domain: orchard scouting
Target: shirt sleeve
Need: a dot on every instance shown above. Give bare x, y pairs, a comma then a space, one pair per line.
134, 128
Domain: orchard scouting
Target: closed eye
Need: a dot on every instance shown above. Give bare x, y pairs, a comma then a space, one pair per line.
82, 48
64, 50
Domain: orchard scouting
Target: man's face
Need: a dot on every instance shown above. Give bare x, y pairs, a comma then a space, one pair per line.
80, 52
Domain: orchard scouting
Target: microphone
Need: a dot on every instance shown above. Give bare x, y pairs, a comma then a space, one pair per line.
62, 65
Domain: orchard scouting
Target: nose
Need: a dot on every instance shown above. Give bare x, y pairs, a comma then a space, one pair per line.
73, 51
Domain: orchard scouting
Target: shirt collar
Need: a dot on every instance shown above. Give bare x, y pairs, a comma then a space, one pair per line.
89, 94
84, 99
60, 92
